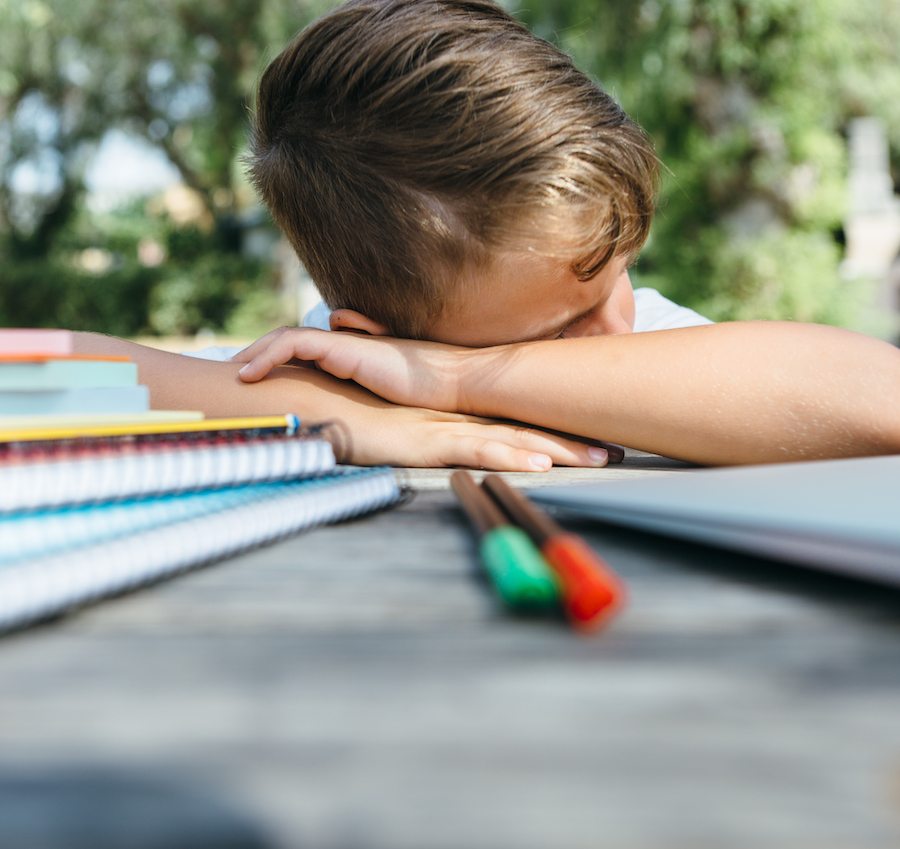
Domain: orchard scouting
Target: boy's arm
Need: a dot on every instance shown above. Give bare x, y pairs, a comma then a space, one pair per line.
748, 392
373, 430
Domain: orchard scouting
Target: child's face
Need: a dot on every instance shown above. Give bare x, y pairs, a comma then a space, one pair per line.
524, 296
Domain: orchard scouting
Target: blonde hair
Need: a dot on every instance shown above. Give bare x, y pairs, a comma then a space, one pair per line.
398, 142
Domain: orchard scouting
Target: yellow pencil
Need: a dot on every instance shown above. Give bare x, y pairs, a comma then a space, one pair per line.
289, 423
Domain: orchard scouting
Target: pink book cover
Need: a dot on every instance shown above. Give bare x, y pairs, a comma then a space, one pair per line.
20, 342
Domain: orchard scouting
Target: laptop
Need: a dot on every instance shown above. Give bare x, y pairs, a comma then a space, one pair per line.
840, 515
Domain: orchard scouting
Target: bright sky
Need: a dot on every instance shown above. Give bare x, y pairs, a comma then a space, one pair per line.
125, 166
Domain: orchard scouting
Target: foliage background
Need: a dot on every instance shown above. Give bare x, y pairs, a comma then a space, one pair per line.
748, 102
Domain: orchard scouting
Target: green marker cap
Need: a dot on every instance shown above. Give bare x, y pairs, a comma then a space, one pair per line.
518, 571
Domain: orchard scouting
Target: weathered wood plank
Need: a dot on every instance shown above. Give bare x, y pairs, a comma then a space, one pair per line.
358, 687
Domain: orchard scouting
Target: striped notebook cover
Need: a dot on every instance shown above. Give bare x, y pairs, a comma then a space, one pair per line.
51, 474
56, 560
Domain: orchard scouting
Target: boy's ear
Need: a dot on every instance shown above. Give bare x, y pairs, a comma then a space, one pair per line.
357, 323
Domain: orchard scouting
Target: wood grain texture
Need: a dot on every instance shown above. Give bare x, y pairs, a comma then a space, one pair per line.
356, 686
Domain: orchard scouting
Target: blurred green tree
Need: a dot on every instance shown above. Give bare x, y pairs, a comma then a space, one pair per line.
747, 101
176, 73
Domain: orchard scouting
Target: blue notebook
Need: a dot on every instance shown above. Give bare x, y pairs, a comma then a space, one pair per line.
840, 515
53, 560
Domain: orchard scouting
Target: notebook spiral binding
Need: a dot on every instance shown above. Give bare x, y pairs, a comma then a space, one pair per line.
70, 476
220, 524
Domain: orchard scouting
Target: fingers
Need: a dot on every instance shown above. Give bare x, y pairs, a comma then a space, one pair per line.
616, 453
517, 449
563, 451
279, 348
477, 452
248, 353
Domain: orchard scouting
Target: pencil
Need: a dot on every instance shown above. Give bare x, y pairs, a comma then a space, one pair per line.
591, 592
518, 572
287, 423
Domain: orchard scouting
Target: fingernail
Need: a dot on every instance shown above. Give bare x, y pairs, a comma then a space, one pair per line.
599, 456
540, 462
243, 369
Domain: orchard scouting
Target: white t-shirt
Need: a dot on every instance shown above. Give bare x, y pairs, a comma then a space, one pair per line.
651, 312
654, 312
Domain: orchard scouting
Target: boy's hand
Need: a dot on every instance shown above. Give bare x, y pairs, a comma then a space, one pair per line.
405, 436
412, 373
419, 375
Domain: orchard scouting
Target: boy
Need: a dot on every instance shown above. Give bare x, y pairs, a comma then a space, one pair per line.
444, 175
405, 148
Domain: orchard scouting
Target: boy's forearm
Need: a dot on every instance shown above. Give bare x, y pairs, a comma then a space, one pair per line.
732, 393
368, 430
177, 382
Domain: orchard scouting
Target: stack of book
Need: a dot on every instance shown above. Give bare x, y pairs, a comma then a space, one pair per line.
43, 382
98, 494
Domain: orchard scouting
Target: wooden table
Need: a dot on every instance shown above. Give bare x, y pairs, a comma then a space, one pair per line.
356, 686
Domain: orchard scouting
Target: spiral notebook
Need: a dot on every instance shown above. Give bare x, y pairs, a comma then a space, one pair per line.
839, 515
94, 510
113, 473
52, 561
98, 494
180, 458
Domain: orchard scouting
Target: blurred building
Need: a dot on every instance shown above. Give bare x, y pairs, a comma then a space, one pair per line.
872, 227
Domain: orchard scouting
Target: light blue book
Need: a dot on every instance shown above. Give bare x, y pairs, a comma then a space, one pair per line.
53, 560
66, 374
840, 515
118, 399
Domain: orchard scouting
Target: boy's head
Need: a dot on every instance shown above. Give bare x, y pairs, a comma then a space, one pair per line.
422, 155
